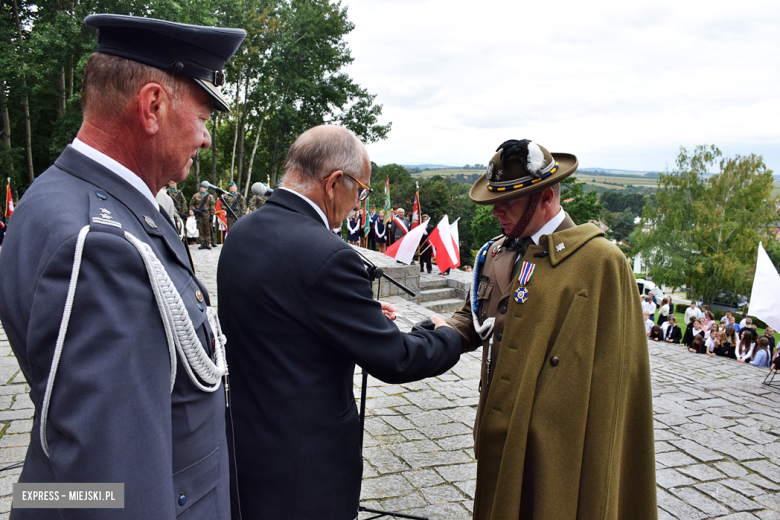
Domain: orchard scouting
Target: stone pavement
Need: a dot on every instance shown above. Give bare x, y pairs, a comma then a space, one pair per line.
717, 433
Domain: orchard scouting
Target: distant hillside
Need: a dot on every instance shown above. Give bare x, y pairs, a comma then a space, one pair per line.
615, 171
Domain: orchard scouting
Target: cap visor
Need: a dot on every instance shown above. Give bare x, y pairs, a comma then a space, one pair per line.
567, 164
220, 102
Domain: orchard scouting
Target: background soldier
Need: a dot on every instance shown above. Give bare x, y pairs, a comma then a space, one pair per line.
178, 200
202, 203
236, 202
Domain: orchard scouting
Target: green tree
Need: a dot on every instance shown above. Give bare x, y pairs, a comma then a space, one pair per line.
624, 225
484, 226
581, 206
705, 232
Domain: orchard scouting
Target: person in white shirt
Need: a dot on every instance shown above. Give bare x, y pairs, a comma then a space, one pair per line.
192, 228
648, 323
648, 306
710, 343
725, 318
746, 346
694, 311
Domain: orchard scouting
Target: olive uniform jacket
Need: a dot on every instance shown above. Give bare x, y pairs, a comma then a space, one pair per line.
564, 425
112, 415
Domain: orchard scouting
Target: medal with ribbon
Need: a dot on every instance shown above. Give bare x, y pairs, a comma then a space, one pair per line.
526, 272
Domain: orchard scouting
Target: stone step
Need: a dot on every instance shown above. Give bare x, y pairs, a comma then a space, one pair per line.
449, 305
429, 295
432, 282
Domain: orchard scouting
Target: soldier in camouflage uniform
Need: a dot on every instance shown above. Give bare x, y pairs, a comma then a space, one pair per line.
202, 204
236, 202
256, 202
178, 200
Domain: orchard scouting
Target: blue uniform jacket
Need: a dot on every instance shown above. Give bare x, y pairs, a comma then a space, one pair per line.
297, 308
112, 416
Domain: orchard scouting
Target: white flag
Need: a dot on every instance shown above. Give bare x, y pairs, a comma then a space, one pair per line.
765, 296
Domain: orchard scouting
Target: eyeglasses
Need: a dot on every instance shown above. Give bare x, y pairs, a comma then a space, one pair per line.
367, 190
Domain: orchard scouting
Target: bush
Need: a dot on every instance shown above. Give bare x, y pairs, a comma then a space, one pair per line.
758, 323
681, 308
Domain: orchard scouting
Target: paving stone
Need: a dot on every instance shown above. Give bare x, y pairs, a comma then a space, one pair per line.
737, 451
444, 511
744, 487
765, 469
662, 447
458, 472
731, 469
761, 482
701, 472
696, 450
442, 494
727, 497
420, 478
429, 418
753, 434
446, 430
713, 421
468, 487
771, 501
738, 516
429, 460
384, 460
671, 419
385, 487
669, 478
692, 497
674, 458
768, 515
677, 507
401, 503
21, 440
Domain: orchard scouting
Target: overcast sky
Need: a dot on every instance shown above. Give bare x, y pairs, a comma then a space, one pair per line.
619, 84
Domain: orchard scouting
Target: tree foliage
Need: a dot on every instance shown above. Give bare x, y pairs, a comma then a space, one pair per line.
704, 231
580, 206
286, 77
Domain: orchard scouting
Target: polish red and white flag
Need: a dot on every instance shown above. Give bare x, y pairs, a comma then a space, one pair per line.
404, 249
445, 242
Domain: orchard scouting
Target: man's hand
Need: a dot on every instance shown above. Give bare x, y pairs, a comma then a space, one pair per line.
388, 310
439, 322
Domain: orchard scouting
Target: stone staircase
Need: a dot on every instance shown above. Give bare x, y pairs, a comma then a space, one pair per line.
437, 295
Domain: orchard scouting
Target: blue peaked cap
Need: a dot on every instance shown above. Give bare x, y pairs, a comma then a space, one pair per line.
195, 51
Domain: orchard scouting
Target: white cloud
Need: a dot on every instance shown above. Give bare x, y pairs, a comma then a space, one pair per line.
620, 85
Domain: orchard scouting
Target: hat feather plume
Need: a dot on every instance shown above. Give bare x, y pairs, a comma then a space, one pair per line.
535, 158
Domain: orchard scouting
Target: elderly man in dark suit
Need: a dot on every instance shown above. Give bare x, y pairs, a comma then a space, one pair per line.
298, 324
101, 306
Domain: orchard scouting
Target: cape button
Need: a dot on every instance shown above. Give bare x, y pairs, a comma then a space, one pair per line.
499, 336
502, 310
182, 499
554, 361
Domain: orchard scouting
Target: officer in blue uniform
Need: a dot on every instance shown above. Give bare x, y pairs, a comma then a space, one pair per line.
124, 392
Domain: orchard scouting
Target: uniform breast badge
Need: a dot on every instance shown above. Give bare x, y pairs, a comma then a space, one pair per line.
560, 247
526, 272
496, 250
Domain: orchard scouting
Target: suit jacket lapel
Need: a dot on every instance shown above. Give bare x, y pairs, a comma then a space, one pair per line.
503, 269
84, 168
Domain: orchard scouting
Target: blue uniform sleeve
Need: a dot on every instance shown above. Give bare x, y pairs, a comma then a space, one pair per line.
342, 308
110, 413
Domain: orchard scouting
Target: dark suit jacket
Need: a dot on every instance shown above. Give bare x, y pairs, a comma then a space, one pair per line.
674, 334
112, 416
297, 308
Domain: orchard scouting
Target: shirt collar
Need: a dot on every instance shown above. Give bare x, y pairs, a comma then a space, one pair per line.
312, 204
549, 227
128, 175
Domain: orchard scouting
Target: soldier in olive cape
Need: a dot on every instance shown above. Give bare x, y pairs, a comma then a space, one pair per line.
564, 425
202, 203
178, 200
236, 202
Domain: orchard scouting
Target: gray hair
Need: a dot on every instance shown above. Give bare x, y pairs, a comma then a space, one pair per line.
320, 151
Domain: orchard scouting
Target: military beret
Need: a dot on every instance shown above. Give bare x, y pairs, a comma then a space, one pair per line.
520, 168
195, 51
231, 183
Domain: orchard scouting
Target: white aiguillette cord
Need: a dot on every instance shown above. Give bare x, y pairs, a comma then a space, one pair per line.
179, 331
